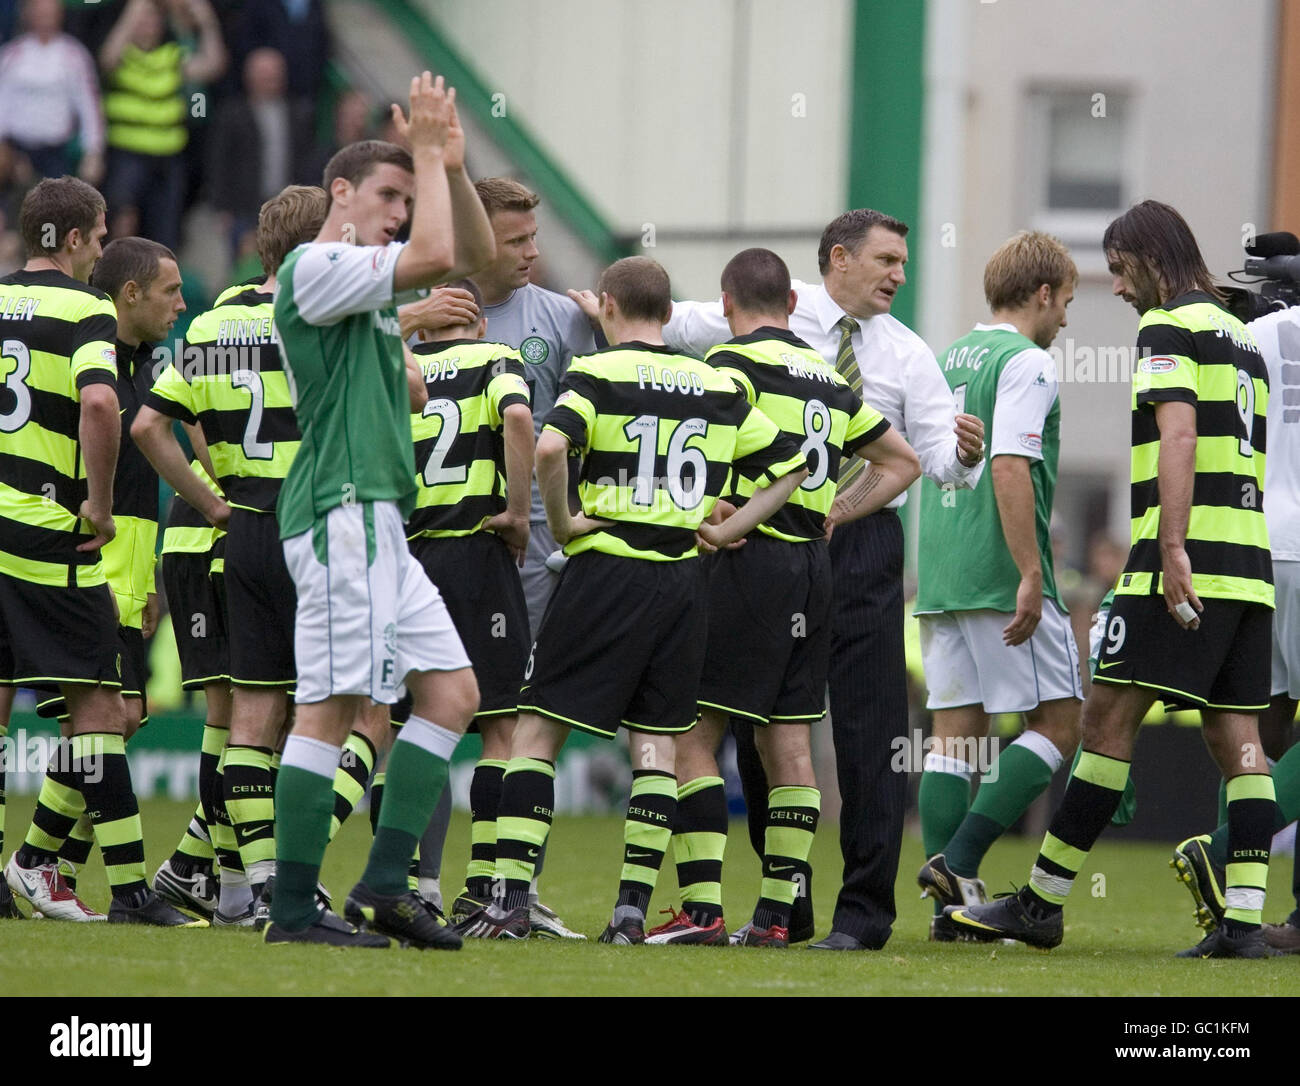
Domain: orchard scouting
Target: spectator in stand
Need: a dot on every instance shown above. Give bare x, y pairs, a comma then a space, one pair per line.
16, 178
298, 30
49, 93
353, 122
145, 72
261, 142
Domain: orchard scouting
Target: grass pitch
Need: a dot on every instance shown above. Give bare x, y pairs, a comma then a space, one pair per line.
1127, 917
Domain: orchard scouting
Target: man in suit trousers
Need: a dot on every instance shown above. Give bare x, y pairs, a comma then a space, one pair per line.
846, 319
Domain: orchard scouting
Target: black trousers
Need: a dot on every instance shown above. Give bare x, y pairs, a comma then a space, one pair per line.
868, 701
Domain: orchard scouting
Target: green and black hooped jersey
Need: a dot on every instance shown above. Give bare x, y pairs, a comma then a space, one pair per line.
56, 338
231, 381
1194, 351
813, 406
130, 556
659, 434
459, 437
187, 530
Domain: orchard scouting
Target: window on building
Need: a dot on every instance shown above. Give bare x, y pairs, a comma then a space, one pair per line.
1080, 155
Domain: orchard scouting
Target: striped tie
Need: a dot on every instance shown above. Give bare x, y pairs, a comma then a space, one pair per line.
846, 365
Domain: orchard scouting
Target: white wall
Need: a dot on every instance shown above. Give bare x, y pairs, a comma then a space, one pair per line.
680, 113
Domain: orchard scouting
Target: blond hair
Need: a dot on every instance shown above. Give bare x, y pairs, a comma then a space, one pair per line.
505, 194
293, 215
1024, 263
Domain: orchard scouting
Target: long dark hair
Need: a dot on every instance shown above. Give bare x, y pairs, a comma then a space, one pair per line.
1157, 233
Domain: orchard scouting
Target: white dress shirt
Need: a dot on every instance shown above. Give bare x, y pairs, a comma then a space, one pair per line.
900, 377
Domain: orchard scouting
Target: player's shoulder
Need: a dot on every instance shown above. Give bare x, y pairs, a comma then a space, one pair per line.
1268, 331
1025, 356
1193, 310
474, 352
621, 362
768, 342
324, 256
242, 299
239, 290
68, 296
559, 307
1197, 322
1170, 315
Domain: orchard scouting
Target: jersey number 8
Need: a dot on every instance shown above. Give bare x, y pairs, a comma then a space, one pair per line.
817, 427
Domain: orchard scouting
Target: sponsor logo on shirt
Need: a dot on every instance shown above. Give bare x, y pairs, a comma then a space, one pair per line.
109, 355
535, 350
1157, 364
564, 397
378, 262
1032, 442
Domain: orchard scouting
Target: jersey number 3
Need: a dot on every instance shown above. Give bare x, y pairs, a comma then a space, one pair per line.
15, 413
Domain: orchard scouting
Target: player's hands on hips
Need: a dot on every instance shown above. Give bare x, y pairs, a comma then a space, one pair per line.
514, 531
218, 513
709, 540
1177, 577
578, 525
443, 308
430, 120
103, 523
708, 537
149, 617
1029, 610
970, 439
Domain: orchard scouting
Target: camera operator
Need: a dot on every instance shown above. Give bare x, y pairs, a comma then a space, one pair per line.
1278, 336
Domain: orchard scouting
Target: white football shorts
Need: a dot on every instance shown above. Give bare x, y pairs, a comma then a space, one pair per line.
367, 613
1286, 629
967, 663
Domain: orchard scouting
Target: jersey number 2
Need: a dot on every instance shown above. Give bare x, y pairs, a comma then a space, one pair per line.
253, 448
434, 472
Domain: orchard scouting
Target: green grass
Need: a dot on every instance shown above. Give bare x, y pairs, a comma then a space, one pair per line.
1119, 942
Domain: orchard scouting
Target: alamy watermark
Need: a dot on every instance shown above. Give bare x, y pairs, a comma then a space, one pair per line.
115, 1040
979, 754
22, 753
1083, 364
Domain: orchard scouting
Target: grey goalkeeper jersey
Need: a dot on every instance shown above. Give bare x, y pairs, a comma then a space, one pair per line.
547, 329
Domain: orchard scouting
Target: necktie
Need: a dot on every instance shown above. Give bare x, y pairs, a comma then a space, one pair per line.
846, 364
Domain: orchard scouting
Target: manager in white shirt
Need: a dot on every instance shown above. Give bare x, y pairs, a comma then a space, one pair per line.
846, 318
